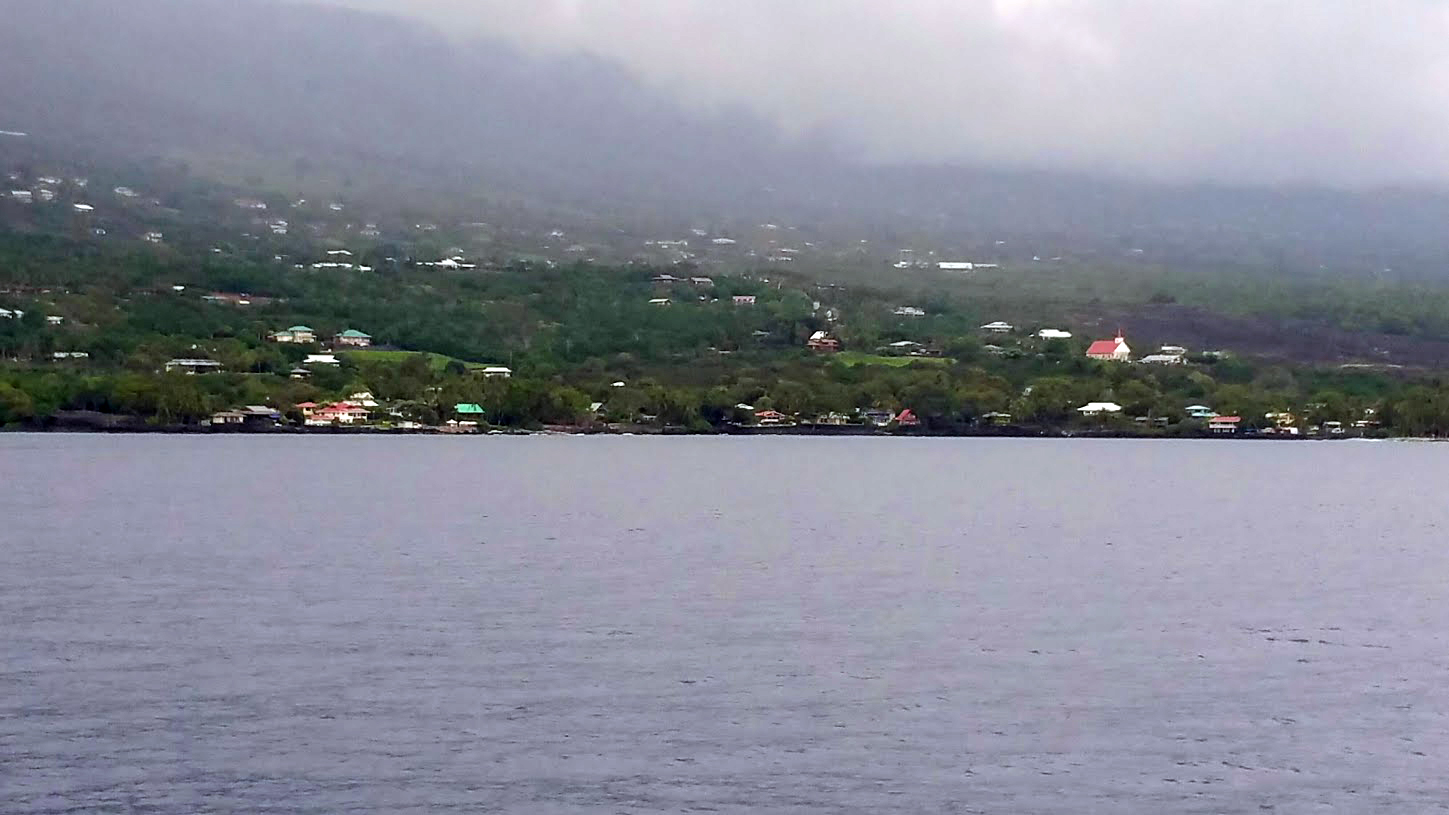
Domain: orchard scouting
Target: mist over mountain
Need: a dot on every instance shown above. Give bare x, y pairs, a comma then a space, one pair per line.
296, 94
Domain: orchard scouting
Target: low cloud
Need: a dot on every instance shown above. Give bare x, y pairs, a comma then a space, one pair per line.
1242, 91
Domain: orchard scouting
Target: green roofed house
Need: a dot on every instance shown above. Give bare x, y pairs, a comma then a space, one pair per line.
295, 334
353, 337
468, 409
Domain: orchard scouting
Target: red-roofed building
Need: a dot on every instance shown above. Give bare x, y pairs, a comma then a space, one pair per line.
1224, 424
767, 417
907, 419
1114, 350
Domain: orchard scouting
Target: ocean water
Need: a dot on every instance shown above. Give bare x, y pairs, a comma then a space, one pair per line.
778, 625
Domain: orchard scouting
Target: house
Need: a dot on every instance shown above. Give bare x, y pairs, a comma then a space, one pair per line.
994, 350
659, 301
1224, 424
251, 416
902, 347
228, 417
193, 366
54, 319
295, 334
83, 208
1099, 408
468, 410
1161, 359
743, 299
822, 343
363, 399
832, 419
665, 278
877, 417
702, 281
70, 355
955, 266
997, 327
1200, 412
909, 311
354, 338
996, 418
1113, 350
771, 417
321, 359
153, 237
907, 418
1175, 350
497, 372
23, 196
11, 314
1053, 334
235, 299
299, 373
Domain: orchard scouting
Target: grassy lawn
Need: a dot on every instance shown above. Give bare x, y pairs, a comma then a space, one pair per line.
437, 361
853, 358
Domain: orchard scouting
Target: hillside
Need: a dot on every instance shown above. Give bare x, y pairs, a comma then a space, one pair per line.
297, 97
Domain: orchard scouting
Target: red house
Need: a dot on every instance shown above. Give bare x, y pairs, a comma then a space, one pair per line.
907, 419
1224, 424
767, 417
1114, 350
822, 343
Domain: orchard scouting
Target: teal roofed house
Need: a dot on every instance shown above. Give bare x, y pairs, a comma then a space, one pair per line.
353, 338
468, 409
297, 333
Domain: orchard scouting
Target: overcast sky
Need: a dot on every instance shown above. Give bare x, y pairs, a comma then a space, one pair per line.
1339, 91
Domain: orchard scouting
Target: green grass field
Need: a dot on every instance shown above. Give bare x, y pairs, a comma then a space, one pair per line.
853, 358
437, 361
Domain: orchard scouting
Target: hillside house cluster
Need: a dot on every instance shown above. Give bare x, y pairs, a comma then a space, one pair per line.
305, 335
355, 410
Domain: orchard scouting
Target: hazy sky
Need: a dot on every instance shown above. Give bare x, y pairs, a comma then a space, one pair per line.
1344, 91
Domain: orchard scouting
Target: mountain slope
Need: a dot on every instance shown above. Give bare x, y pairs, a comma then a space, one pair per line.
295, 95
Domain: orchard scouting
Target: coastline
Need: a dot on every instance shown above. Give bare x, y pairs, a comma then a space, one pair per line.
110, 424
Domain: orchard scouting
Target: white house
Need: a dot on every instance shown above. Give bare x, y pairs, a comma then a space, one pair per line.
1054, 334
909, 311
955, 266
193, 366
1161, 359
497, 372
998, 327
1099, 408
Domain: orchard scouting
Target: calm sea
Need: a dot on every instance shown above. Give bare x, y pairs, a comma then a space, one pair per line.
775, 625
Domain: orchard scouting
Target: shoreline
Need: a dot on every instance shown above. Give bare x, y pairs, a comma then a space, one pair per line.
124, 425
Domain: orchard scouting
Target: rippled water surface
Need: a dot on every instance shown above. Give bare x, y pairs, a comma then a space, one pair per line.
638, 625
